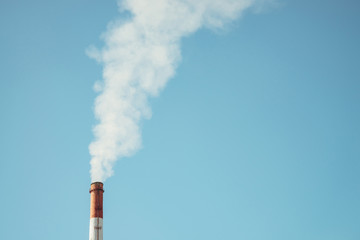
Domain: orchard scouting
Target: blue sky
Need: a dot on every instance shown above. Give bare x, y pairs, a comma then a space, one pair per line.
256, 136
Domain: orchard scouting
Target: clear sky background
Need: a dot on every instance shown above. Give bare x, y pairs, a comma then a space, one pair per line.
257, 137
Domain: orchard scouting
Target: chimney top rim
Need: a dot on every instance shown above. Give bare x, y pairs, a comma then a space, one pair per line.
97, 183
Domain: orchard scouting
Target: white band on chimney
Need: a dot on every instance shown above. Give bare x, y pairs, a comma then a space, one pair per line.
96, 229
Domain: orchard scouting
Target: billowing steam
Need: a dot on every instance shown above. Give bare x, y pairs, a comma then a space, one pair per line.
140, 55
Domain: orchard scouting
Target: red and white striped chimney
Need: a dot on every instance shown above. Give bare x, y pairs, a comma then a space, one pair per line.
96, 211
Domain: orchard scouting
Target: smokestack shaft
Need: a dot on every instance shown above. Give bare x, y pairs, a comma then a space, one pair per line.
96, 211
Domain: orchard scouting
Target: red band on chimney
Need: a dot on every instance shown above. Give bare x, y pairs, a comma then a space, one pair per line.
96, 202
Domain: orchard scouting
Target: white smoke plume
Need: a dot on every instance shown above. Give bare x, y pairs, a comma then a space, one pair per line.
139, 57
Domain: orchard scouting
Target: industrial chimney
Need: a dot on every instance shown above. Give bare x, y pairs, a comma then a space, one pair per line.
96, 211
